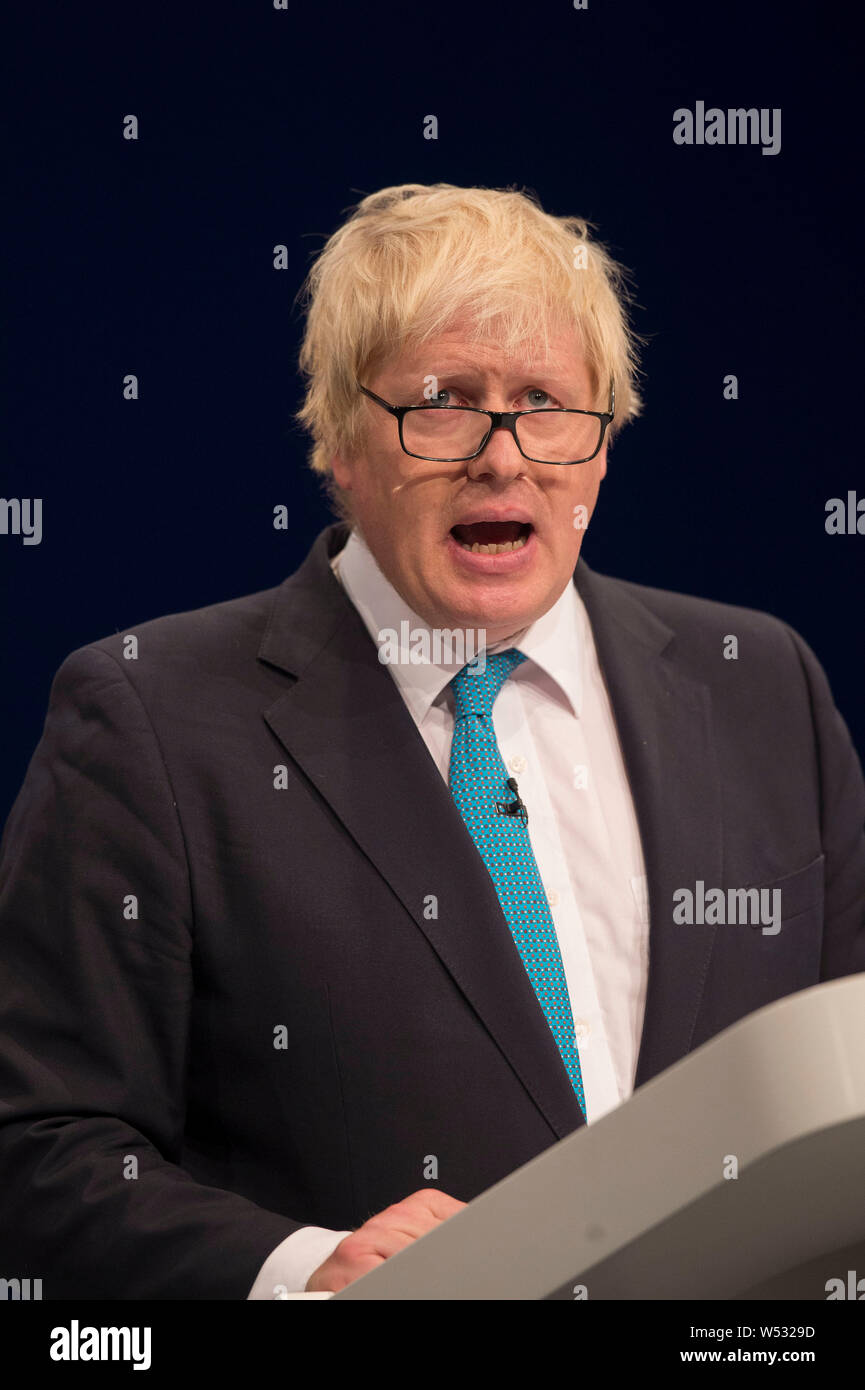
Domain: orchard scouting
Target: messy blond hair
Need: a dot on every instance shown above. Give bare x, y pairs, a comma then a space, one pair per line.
412, 259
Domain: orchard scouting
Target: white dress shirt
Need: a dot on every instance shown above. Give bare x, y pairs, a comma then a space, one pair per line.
557, 736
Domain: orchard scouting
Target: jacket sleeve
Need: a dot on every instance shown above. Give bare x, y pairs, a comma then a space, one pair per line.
842, 825
96, 935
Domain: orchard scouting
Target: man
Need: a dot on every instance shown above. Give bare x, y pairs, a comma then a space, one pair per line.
309, 937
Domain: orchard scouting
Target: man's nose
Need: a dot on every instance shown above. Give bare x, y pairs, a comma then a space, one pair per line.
500, 455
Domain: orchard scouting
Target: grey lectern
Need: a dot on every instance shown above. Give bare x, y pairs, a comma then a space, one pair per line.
737, 1173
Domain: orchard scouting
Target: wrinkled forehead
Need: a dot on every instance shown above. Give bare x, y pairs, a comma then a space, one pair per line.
486, 350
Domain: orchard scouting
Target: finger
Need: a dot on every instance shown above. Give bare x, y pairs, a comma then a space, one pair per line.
430, 1199
389, 1241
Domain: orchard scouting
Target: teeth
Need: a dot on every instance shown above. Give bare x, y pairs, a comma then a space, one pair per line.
494, 549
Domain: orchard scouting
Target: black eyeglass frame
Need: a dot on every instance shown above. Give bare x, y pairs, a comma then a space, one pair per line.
499, 419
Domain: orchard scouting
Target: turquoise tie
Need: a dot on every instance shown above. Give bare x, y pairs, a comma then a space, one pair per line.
478, 780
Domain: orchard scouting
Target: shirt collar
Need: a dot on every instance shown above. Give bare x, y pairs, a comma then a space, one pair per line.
555, 642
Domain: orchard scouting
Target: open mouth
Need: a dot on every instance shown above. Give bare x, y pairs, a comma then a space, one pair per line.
492, 537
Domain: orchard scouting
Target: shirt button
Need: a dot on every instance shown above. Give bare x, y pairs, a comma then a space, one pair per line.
517, 763
553, 898
582, 1028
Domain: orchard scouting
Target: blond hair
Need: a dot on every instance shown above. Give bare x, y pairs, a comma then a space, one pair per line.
412, 259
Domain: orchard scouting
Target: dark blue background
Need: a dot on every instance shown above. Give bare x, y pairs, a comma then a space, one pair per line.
258, 127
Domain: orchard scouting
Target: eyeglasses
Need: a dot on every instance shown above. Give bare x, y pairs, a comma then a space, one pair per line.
457, 433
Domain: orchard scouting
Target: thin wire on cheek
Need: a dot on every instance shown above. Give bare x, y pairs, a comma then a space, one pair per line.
409, 478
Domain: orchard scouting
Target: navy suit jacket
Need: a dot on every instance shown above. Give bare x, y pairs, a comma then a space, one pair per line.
226, 1006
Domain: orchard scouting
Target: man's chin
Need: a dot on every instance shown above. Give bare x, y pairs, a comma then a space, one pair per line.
493, 618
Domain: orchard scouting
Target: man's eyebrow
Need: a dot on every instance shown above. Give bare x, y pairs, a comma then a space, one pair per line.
471, 371
445, 368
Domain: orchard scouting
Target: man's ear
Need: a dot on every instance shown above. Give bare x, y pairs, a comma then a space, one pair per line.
342, 471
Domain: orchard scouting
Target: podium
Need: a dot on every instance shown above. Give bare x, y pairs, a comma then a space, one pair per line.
738, 1173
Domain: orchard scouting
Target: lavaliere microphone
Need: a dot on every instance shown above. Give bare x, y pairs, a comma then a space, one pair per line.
513, 808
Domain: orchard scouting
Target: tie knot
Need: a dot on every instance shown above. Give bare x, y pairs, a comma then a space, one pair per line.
475, 691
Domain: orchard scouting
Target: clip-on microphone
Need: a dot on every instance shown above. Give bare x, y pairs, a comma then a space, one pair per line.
513, 808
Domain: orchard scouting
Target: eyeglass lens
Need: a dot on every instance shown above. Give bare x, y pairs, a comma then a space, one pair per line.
549, 436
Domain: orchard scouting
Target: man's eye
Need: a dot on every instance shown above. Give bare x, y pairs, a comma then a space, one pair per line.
535, 404
444, 397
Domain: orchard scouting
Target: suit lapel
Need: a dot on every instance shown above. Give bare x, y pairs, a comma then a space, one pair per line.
664, 720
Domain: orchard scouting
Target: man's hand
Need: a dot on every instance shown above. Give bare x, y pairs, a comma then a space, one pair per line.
381, 1236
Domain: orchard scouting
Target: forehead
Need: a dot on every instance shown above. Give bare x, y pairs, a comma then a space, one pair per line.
459, 350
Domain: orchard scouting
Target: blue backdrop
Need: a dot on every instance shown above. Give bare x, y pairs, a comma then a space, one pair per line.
260, 126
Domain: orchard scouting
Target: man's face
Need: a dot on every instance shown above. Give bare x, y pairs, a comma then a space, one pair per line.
407, 509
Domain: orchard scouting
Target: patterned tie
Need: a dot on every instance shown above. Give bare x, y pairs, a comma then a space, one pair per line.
478, 780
